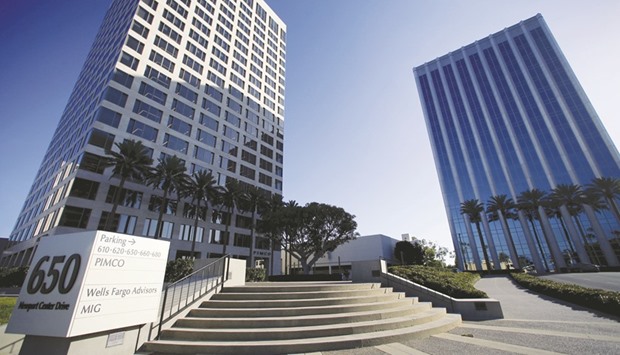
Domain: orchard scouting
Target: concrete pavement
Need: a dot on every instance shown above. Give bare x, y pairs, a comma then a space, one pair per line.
603, 280
533, 324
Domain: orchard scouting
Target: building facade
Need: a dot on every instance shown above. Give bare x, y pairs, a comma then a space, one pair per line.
200, 79
506, 115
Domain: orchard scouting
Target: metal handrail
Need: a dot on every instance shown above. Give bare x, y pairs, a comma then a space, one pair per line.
194, 286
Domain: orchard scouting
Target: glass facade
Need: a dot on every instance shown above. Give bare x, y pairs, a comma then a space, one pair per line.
506, 115
161, 71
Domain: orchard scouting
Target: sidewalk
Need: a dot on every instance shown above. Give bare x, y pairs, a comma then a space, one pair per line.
533, 324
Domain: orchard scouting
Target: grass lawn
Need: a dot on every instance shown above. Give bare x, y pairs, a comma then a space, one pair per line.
6, 307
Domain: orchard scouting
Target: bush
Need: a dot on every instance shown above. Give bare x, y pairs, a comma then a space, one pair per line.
602, 300
255, 274
7, 304
13, 277
457, 285
178, 269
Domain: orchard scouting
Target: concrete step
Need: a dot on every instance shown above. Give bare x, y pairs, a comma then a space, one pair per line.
298, 294
300, 287
305, 345
297, 311
303, 302
279, 333
303, 320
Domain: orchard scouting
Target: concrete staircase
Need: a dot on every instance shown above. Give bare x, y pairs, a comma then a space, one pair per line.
284, 318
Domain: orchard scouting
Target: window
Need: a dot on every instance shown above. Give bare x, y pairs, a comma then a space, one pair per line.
242, 240
228, 164
231, 133
161, 60
150, 228
167, 47
217, 66
241, 47
229, 148
237, 80
211, 107
183, 109
174, 35
234, 105
213, 92
157, 77
178, 8
236, 93
175, 143
152, 93
92, 162
248, 157
267, 138
250, 143
203, 15
216, 79
247, 172
121, 223
278, 171
83, 188
107, 116
222, 43
115, 96
101, 139
122, 78
221, 55
129, 60
145, 15
148, 111
251, 116
74, 217
142, 130
189, 210
266, 151
186, 93
134, 44
187, 233
251, 130
232, 119
198, 38
190, 62
128, 198
179, 126
266, 165
223, 32
262, 243
209, 122
140, 29
203, 155
217, 236
156, 202
189, 78
195, 51
174, 20
206, 138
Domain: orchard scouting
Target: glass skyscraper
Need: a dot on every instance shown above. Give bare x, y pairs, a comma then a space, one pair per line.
506, 115
200, 79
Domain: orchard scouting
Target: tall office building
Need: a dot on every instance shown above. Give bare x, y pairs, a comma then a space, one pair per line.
200, 79
505, 115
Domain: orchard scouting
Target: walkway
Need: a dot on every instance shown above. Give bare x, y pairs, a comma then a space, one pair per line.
533, 324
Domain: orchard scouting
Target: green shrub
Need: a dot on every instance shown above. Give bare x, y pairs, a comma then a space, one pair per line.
7, 304
602, 300
12, 277
178, 269
255, 274
457, 285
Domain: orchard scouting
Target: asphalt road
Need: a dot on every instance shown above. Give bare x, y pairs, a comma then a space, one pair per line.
602, 280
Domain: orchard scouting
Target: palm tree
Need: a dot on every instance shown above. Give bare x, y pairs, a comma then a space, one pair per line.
132, 161
252, 200
230, 196
505, 205
553, 209
202, 187
573, 197
609, 190
169, 175
473, 208
529, 201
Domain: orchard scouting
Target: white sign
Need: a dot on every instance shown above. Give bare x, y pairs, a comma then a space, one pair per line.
88, 282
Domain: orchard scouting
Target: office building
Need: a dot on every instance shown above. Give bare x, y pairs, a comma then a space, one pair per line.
506, 115
200, 79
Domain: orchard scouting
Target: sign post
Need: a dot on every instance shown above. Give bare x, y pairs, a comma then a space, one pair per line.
90, 282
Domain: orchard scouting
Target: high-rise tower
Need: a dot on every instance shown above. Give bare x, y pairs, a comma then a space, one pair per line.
200, 79
506, 115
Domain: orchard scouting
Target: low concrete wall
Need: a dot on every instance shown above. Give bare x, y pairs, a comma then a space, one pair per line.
469, 308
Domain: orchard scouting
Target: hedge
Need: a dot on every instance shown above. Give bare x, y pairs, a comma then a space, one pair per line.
602, 300
457, 285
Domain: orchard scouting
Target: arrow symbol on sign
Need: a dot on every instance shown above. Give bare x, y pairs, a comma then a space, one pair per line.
133, 242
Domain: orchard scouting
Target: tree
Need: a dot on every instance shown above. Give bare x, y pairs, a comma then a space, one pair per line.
132, 161
503, 206
312, 230
607, 189
202, 187
473, 208
229, 198
409, 253
169, 176
271, 206
252, 200
529, 201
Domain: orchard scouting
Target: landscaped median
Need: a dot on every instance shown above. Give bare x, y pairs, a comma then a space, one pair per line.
602, 300
457, 285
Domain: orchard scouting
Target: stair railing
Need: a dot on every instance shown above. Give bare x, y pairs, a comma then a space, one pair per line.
182, 293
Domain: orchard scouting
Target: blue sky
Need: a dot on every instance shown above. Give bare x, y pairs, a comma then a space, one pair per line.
355, 134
